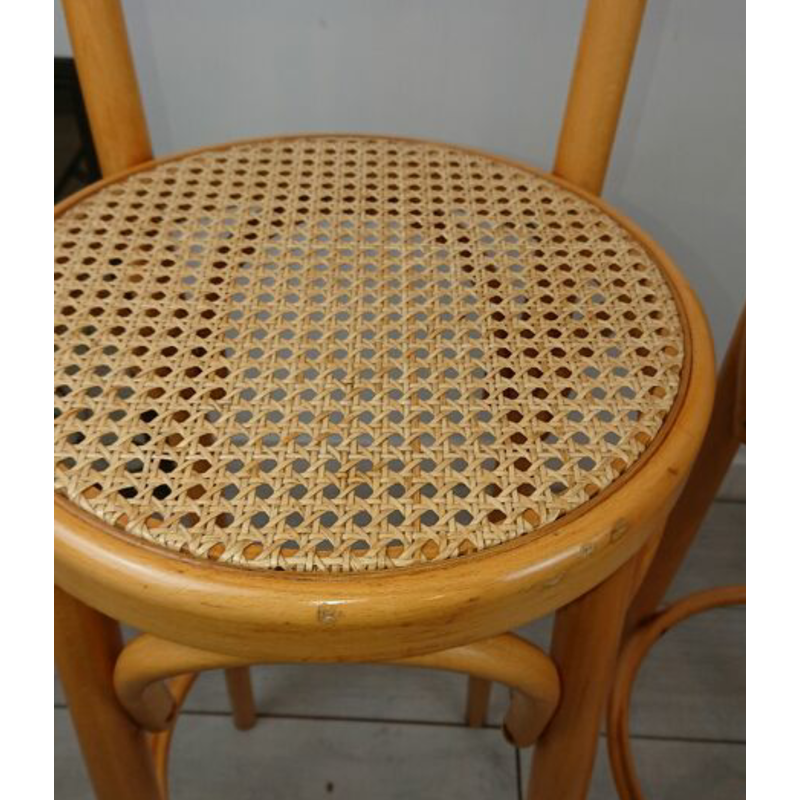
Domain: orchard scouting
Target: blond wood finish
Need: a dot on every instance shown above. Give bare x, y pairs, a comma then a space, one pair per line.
718, 450
108, 83
600, 76
402, 612
405, 617
647, 554
146, 662
633, 653
240, 693
584, 646
142, 669
740, 406
725, 432
479, 692
87, 644
161, 742
518, 664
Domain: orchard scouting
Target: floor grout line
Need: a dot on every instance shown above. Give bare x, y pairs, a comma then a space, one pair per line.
654, 737
518, 762
730, 501
191, 712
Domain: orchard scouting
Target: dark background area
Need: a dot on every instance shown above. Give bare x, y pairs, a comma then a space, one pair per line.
75, 160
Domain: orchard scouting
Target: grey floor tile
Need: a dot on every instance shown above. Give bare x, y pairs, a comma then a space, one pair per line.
717, 556
734, 487
70, 781
692, 683
672, 770
58, 692
304, 759
355, 691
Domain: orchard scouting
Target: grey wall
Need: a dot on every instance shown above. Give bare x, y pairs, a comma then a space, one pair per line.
487, 73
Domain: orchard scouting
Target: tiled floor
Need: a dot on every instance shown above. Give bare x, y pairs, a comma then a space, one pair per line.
376, 733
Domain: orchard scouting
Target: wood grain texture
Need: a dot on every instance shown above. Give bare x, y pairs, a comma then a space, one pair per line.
443, 615
240, 693
108, 83
87, 644
147, 662
403, 612
584, 646
599, 79
479, 692
719, 447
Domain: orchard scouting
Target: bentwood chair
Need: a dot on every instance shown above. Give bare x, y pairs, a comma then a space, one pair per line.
646, 621
358, 398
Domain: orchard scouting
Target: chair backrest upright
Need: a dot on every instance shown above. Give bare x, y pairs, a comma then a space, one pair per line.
108, 83
600, 76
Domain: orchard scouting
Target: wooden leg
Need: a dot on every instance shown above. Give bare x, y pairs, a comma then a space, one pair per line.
117, 758
585, 641
718, 450
240, 693
479, 691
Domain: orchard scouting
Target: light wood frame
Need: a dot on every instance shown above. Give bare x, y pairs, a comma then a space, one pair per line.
645, 622
635, 649
587, 571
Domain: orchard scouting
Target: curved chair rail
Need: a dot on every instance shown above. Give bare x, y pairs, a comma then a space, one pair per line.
634, 652
145, 664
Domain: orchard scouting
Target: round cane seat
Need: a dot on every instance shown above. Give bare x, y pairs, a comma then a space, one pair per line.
340, 354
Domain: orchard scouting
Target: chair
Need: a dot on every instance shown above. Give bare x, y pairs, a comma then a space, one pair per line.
358, 398
646, 622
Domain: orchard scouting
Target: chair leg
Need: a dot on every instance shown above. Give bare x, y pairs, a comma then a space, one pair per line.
719, 447
240, 693
584, 647
479, 691
115, 751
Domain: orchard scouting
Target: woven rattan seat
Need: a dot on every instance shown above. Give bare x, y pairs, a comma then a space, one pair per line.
348, 353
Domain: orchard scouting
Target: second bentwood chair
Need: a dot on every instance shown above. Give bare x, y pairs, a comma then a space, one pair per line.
358, 398
647, 623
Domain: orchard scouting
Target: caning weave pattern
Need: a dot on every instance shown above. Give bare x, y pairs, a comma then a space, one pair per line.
344, 354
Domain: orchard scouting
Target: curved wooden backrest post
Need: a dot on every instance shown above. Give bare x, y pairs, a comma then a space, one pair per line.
599, 79
108, 83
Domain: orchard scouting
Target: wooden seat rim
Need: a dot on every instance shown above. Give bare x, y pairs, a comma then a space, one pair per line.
399, 612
